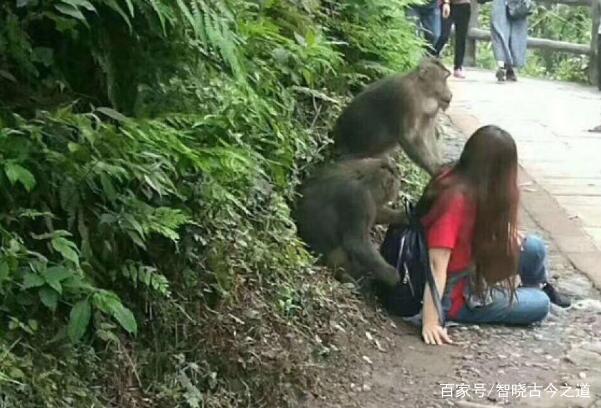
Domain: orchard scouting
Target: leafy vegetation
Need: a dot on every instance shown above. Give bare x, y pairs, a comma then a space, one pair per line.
150, 150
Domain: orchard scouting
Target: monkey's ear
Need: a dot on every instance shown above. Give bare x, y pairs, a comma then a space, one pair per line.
429, 65
424, 70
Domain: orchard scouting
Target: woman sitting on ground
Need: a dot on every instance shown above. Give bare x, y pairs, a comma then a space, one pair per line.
469, 214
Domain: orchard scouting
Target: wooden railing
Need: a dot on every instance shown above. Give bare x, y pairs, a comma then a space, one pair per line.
592, 50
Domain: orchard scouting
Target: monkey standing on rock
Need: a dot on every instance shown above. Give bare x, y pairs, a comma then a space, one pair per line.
398, 109
337, 209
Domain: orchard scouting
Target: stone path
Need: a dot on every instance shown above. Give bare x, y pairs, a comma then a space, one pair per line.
550, 122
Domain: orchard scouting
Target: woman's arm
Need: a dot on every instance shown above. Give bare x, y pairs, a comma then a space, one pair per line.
432, 332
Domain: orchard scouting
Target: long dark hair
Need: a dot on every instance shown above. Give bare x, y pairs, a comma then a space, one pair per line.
487, 173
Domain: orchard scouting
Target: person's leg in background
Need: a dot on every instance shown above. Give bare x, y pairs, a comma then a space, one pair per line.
518, 45
430, 19
419, 18
500, 34
436, 27
445, 31
460, 13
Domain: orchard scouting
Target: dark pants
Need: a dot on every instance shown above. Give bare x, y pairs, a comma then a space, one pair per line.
428, 21
460, 16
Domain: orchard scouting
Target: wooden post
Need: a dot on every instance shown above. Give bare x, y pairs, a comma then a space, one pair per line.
470, 45
595, 45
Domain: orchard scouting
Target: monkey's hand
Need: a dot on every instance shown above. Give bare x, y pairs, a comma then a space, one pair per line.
389, 276
435, 334
446, 10
387, 215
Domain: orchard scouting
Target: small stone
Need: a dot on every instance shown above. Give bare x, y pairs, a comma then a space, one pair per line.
582, 375
592, 305
366, 387
594, 347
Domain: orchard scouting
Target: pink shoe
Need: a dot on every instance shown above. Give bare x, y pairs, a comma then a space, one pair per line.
459, 73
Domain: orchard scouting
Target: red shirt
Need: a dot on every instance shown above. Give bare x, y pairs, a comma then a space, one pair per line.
450, 224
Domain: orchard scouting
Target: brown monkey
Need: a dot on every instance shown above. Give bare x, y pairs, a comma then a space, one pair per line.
398, 109
339, 206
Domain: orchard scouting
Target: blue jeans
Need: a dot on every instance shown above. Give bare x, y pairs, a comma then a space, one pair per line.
531, 304
427, 19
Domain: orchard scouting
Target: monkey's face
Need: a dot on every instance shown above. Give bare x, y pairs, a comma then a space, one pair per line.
434, 76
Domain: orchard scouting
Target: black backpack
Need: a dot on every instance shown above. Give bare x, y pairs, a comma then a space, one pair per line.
405, 247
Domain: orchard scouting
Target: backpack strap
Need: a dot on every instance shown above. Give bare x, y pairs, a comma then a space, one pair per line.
425, 261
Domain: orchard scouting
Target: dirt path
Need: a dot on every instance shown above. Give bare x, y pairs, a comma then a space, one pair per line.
556, 364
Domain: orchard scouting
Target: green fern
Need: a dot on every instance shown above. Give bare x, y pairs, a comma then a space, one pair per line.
147, 276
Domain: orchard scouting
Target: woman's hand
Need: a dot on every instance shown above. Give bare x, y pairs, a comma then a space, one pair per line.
432, 332
520, 237
435, 334
446, 10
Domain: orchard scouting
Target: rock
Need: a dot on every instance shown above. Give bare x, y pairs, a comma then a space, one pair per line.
593, 305
577, 285
582, 375
584, 358
594, 347
592, 382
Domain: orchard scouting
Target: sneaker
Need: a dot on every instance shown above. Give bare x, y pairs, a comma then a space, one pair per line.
459, 73
556, 297
500, 74
511, 76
